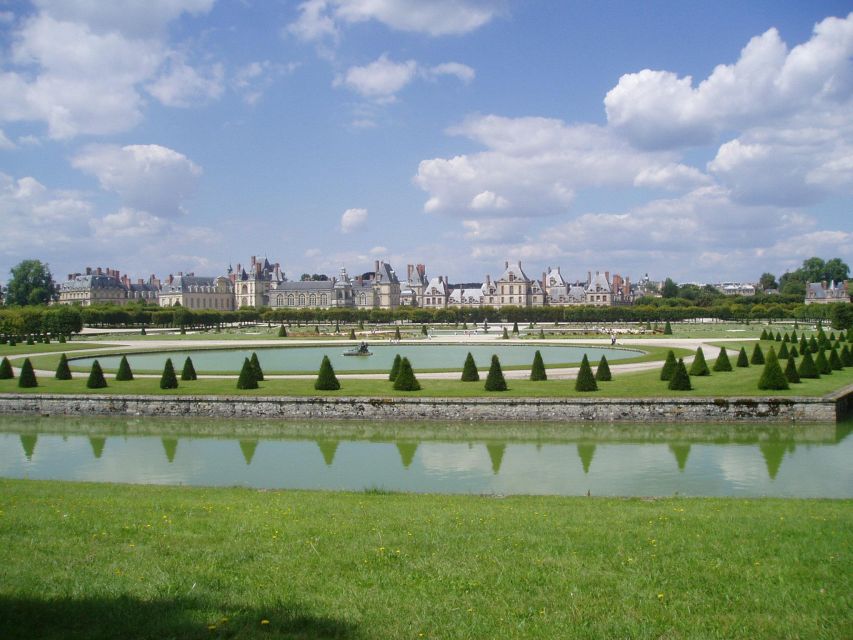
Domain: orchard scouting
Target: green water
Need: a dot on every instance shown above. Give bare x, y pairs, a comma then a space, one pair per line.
647, 460
307, 359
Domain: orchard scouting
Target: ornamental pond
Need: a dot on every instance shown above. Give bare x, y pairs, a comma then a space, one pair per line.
642, 460
424, 357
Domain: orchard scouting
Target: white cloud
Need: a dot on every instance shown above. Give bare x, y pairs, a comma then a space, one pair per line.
378, 250
182, 85
313, 253
148, 178
353, 220
672, 176
314, 23
488, 201
253, 79
128, 223
380, 79
461, 71
5, 143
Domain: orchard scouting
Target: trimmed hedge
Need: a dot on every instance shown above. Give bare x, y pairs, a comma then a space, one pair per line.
124, 373
395, 368
807, 368
469, 370
247, 379
256, 366
62, 370
495, 381
742, 358
822, 363
537, 370
585, 380
680, 380
668, 366
6, 372
602, 373
96, 377
772, 378
326, 379
834, 360
722, 363
27, 378
791, 374
168, 380
699, 367
757, 355
406, 380
188, 372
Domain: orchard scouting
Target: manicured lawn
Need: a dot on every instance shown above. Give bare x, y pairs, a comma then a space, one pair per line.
106, 561
24, 348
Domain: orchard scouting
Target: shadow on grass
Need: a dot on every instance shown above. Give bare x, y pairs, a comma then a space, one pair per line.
131, 618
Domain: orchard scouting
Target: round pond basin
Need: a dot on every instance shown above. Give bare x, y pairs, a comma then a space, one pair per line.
424, 357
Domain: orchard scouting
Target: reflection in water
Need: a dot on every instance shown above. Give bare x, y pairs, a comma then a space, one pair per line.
628, 461
585, 452
680, 451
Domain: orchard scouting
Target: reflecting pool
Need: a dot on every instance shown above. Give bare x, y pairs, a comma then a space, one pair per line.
307, 359
496, 459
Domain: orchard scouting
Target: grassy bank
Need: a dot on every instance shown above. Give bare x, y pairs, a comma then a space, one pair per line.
104, 561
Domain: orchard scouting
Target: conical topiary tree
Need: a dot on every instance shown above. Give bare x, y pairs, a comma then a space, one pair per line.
352, 334
469, 369
783, 351
792, 352
27, 378
813, 346
168, 380
326, 379
395, 368
667, 329
794, 337
772, 377
256, 365
188, 372
406, 380
124, 374
96, 377
537, 370
6, 372
397, 333
846, 356
742, 359
515, 328
763, 335
62, 370
680, 380
541, 334
506, 334
834, 361
699, 367
757, 355
791, 374
282, 331
585, 380
822, 363
424, 330
247, 379
804, 344
602, 373
786, 338
668, 366
495, 381
722, 363
778, 337
807, 368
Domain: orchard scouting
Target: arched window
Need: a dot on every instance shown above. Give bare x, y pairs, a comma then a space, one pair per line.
302, 300
290, 300
324, 300
362, 299
312, 300
244, 290
278, 300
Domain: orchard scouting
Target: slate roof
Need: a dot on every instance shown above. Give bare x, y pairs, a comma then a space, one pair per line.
516, 271
599, 284
87, 283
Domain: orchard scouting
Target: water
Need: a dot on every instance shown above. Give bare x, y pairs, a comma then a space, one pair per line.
307, 359
645, 460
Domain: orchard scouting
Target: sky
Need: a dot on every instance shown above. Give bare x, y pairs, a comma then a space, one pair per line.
703, 141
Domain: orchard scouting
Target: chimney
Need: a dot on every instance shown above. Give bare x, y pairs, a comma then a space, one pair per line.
446, 280
421, 270
519, 264
488, 280
409, 269
545, 277
506, 264
100, 272
180, 273
376, 266
607, 276
140, 281
440, 279
253, 260
170, 279
70, 276
558, 269
589, 276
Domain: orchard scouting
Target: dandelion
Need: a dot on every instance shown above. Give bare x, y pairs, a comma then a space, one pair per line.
265, 621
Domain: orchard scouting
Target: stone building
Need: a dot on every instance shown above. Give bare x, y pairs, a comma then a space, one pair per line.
823, 293
197, 292
106, 286
514, 288
324, 294
252, 286
598, 291
412, 290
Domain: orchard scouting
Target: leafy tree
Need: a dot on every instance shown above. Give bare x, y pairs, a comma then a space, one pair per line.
6, 372
767, 281
395, 368
680, 380
537, 371
668, 366
124, 374
256, 367
168, 380
188, 372
326, 379
602, 373
247, 379
791, 374
699, 366
757, 355
772, 377
406, 380
585, 380
807, 368
495, 381
722, 363
841, 315
27, 377
669, 289
96, 377
62, 370
469, 370
31, 283
742, 359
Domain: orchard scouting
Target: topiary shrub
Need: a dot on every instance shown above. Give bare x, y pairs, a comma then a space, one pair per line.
505, 335
61, 339
791, 374
667, 329
668, 366
742, 358
722, 363
783, 352
602, 373
804, 344
757, 355
397, 333
247, 379
424, 330
807, 368
778, 337
834, 361
469, 369
680, 380
537, 370
188, 372
317, 328
124, 373
813, 346
846, 356
395, 368
256, 366
30, 340
282, 331
62, 370
541, 334
515, 328
772, 377
792, 352
406, 380
822, 364
6, 372
326, 379
786, 338
763, 335
352, 334
495, 381
96, 377
168, 380
27, 378
699, 366
142, 332
794, 337
585, 380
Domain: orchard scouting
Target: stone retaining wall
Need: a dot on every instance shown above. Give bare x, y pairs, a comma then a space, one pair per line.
828, 409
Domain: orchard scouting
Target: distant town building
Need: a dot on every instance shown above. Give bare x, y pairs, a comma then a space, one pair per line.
823, 293
736, 288
252, 286
106, 286
197, 292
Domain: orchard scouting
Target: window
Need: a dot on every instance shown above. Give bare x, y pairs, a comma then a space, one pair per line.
302, 300
278, 300
324, 300
312, 300
290, 300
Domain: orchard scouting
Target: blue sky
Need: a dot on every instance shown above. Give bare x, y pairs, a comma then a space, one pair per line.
701, 141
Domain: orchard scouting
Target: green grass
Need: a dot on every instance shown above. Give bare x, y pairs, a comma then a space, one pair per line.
106, 561
22, 348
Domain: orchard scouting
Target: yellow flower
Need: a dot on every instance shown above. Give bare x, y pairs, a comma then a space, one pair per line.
265, 621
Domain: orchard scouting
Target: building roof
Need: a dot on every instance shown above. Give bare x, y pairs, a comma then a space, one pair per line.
436, 286
89, 282
515, 271
187, 284
598, 284
304, 285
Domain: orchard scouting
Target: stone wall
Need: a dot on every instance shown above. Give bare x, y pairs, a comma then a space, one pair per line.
827, 409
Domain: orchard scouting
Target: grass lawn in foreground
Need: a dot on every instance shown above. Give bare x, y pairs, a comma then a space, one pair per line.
22, 348
108, 561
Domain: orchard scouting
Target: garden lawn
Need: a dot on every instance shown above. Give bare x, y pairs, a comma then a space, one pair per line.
106, 561
22, 348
